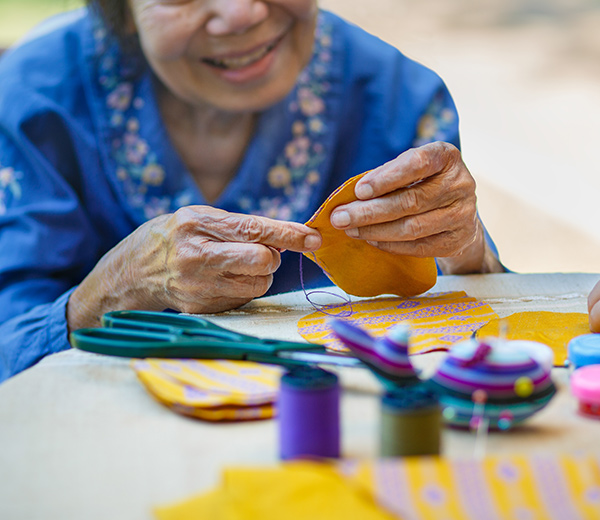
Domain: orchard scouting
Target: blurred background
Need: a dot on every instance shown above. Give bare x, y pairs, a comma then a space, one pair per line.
525, 75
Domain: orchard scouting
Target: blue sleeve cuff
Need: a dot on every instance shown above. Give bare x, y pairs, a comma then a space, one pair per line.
28, 337
58, 332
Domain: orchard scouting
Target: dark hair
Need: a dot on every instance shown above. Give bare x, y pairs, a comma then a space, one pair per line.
114, 13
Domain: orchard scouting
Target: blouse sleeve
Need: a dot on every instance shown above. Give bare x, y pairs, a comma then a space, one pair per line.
47, 245
439, 122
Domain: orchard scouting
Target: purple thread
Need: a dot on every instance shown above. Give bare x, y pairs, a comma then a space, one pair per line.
318, 306
309, 414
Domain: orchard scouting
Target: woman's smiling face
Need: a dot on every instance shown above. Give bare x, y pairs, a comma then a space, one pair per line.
235, 55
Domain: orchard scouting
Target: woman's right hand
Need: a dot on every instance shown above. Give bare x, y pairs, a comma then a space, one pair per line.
196, 260
594, 308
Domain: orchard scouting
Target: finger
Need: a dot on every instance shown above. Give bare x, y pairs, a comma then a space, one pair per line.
410, 167
444, 244
233, 286
594, 296
595, 318
224, 291
234, 227
231, 257
250, 259
211, 305
452, 218
416, 199
244, 286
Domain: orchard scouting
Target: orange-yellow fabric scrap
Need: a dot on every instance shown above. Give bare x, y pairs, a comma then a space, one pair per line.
359, 268
554, 329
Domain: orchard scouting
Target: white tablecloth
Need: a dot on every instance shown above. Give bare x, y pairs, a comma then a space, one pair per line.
81, 439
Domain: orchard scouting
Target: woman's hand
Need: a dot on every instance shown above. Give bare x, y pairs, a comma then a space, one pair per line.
198, 259
421, 204
594, 308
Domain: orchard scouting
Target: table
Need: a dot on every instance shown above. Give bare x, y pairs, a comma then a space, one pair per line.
81, 439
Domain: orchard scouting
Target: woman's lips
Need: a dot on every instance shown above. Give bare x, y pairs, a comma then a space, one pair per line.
243, 60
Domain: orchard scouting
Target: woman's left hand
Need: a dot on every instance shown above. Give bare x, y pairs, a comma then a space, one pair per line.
421, 204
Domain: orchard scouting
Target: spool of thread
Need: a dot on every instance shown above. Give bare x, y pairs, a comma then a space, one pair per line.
309, 414
584, 350
585, 386
411, 422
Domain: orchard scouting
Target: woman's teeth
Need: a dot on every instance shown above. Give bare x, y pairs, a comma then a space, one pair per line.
240, 61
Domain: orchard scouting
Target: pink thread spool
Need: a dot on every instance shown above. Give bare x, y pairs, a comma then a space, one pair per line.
585, 386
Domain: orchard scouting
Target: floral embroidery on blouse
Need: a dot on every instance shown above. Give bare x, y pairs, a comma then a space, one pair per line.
289, 181
436, 122
137, 167
296, 170
9, 185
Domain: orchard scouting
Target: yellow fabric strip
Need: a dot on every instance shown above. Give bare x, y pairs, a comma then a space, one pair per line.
437, 320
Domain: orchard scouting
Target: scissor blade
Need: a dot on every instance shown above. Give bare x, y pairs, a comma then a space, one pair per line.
322, 359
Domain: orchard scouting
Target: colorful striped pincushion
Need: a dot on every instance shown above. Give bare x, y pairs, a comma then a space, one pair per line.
502, 381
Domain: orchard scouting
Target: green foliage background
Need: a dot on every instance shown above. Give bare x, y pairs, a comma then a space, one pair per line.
19, 16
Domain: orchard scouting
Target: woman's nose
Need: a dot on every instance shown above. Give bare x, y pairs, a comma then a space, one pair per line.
235, 16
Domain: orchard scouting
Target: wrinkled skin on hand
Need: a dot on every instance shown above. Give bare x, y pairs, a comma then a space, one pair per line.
196, 260
594, 308
422, 204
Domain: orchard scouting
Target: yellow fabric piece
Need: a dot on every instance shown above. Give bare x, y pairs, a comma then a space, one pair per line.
359, 268
417, 488
294, 491
554, 329
212, 390
437, 320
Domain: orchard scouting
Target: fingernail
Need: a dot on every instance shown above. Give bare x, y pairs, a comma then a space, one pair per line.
371, 242
340, 219
352, 232
363, 191
312, 242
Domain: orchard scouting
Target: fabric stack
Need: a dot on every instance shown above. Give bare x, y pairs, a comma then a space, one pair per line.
214, 390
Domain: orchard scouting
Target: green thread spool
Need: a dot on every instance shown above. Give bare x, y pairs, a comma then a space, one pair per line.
411, 422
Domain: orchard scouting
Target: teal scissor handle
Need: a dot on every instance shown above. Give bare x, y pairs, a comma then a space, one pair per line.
182, 325
169, 323
141, 334
143, 344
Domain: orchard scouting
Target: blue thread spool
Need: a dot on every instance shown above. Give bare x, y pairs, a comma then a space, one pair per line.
584, 350
309, 414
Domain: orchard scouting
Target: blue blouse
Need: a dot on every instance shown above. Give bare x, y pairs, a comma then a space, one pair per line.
85, 158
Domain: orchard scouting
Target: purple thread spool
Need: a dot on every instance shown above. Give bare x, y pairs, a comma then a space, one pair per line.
309, 414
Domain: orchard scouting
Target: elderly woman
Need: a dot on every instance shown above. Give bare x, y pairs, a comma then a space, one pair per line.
162, 154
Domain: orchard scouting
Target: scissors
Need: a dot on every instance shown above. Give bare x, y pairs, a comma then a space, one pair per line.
143, 334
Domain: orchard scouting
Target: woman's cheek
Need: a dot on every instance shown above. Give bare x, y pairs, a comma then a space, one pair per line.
165, 31
302, 9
